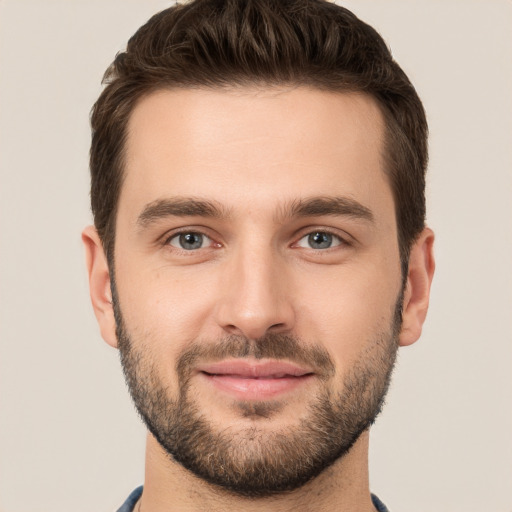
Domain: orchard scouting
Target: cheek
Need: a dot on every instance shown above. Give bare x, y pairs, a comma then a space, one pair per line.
161, 310
161, 316
346, 311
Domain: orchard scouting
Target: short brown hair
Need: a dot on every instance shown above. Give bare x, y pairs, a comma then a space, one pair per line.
226, 43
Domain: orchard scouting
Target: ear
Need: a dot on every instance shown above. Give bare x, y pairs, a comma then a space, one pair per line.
99, 284
417, 289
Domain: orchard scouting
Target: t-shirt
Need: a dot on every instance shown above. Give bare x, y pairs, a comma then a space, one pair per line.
129, 504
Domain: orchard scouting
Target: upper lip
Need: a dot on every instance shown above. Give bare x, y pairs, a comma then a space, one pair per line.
254, 369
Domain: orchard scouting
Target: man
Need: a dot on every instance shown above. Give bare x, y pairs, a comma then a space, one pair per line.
259, 250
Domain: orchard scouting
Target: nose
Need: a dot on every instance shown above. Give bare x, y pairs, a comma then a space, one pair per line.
256, 295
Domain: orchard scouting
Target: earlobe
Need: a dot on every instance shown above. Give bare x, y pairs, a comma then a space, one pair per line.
417, 290
99, 284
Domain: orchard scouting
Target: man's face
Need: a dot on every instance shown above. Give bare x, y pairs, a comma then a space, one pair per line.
257, 279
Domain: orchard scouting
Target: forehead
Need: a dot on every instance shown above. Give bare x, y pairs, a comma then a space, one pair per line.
253, 146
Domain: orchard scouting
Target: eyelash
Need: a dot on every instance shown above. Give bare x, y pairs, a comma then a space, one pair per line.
168, 239
340, 240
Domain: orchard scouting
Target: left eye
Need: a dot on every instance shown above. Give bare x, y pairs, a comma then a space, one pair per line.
319, 240
189, 241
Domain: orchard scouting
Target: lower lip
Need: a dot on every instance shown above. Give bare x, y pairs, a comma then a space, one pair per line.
255, 389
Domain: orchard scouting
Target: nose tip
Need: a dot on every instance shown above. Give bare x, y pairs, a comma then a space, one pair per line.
257, 300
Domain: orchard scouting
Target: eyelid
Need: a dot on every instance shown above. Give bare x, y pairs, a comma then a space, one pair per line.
205, 239
336, 241
173, 233
344, 238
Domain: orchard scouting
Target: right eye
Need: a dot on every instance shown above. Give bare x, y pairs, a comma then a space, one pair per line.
319, 240
189, 241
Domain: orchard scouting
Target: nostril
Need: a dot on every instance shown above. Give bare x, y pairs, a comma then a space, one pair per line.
233, 329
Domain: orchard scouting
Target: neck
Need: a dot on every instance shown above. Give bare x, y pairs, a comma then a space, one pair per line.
343, 487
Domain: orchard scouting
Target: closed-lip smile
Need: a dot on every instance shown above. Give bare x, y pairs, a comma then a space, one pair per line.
254, 379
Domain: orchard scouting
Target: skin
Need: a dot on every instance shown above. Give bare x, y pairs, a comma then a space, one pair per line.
254, 153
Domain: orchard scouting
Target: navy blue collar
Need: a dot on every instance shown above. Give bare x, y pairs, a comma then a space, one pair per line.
129, 504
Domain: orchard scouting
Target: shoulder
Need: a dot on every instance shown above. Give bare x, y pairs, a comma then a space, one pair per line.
378, 504
128, 505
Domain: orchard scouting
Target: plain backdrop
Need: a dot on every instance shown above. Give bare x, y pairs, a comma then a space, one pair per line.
69, 436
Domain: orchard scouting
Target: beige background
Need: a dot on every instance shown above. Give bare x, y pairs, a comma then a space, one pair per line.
69, 437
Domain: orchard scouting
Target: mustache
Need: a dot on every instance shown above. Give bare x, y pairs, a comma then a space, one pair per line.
271, 346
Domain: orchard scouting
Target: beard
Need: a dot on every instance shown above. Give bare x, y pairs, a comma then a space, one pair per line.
258, 461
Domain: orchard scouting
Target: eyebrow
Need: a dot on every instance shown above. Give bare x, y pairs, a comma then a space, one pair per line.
309, 207
180, 207
327, 205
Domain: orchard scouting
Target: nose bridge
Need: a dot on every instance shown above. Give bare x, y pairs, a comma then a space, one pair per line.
257, 294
